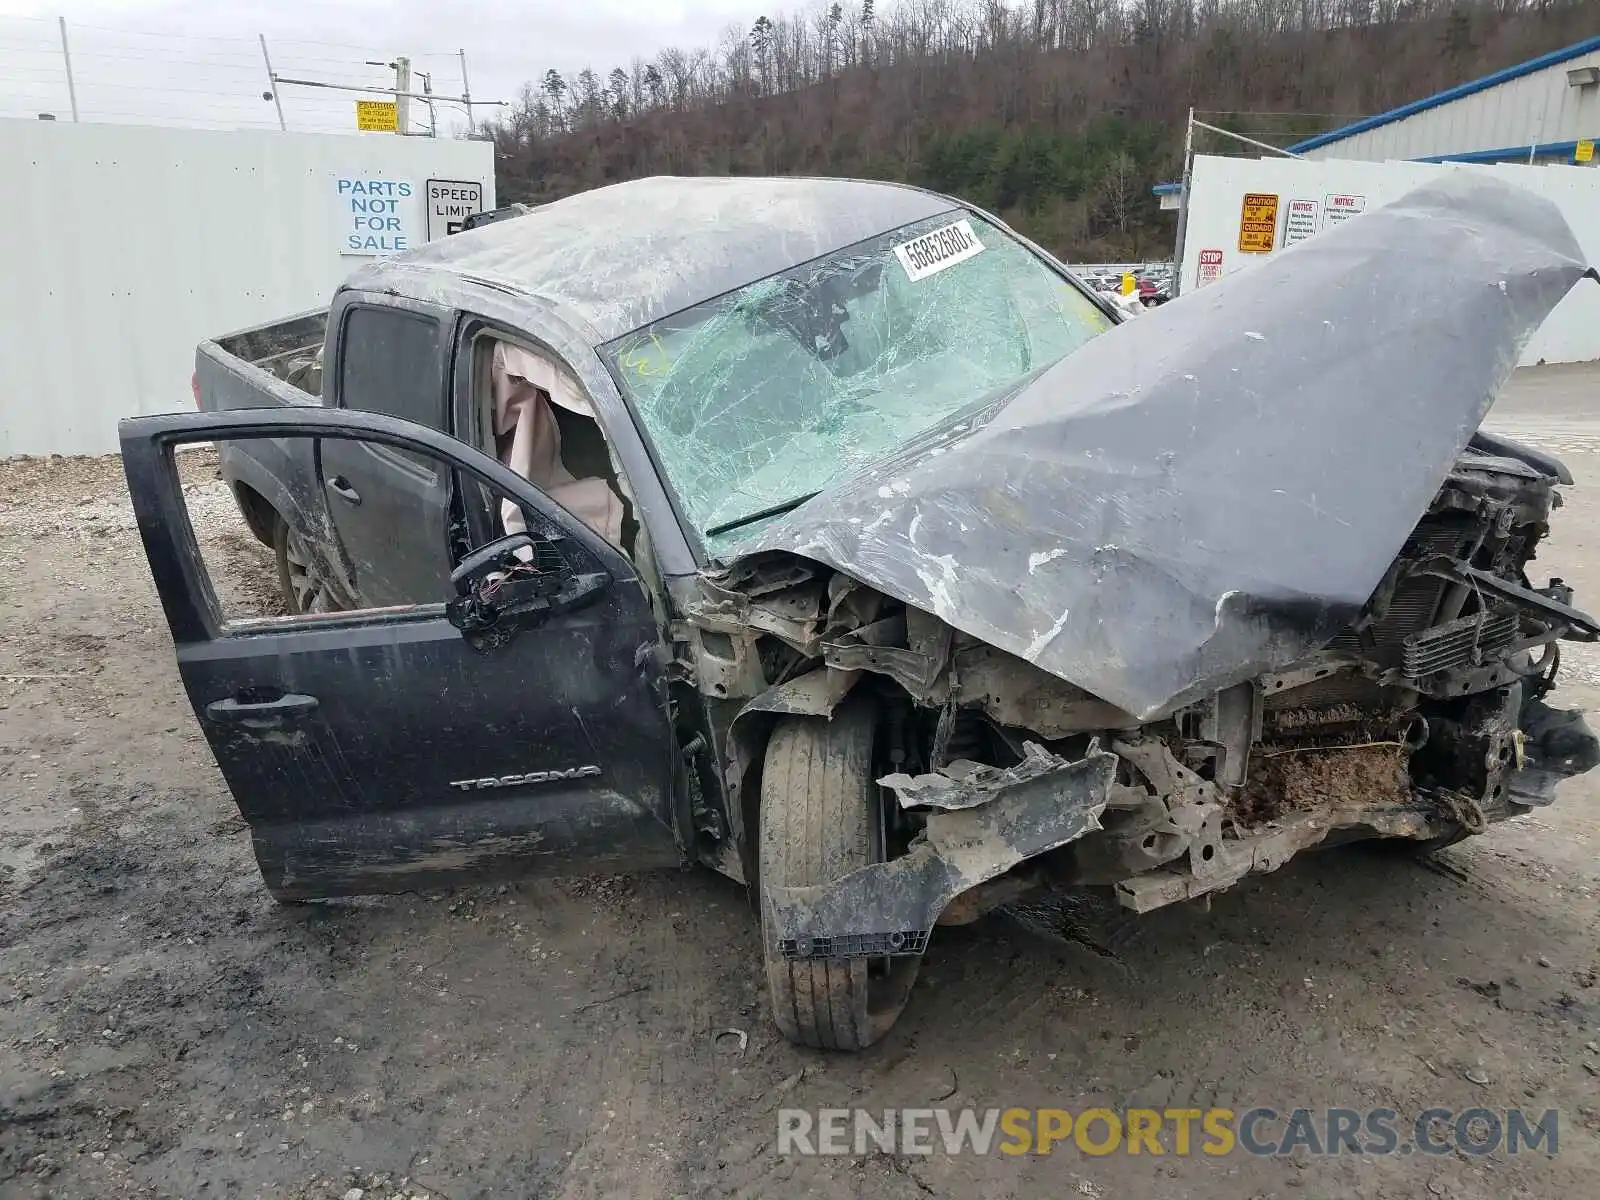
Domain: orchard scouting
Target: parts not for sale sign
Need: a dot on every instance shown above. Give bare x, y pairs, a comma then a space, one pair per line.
375, 216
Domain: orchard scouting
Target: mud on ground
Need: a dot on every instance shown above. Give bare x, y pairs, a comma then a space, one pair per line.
166, 1030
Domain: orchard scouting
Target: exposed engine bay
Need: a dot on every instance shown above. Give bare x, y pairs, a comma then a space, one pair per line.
1424, 719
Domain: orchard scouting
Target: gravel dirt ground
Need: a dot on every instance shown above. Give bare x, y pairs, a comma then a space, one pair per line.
166, 1030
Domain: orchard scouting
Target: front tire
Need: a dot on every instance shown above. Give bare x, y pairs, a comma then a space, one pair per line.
820, 820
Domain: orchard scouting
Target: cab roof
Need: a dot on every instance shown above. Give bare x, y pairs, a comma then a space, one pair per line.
622, 256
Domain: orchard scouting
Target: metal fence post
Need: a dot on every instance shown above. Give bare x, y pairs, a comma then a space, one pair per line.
1183, 205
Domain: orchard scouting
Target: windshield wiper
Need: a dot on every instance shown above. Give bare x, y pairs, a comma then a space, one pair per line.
776, 510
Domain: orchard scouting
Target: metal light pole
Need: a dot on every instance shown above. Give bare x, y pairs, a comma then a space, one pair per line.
66, 57
427, 101
402, 94
272, 84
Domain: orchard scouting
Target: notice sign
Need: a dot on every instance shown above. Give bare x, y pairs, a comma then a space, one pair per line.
377, 116
375, 216
1584, 151
1337, 208
1210, 267
1258, 223
450, 202
1301, 221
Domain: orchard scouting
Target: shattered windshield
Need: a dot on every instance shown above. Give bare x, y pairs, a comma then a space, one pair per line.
761, 398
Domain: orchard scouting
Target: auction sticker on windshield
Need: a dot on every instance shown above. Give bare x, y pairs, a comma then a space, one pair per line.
937, 249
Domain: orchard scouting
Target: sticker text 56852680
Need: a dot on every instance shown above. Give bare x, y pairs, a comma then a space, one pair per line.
932, 252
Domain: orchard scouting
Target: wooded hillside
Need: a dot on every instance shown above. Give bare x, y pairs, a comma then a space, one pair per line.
1059, 114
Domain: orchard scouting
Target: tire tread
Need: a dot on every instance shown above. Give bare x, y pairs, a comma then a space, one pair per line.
818, 802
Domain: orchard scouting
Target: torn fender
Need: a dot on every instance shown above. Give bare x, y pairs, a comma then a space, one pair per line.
890, 908
815, 694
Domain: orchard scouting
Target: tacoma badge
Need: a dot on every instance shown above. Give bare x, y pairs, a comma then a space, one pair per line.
499, 781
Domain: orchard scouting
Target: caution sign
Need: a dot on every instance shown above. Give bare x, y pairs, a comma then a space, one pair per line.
1301, 220
1584, 151
1210, 267
377, 116
1258, 223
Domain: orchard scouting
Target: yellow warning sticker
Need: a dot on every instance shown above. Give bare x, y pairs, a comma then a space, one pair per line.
377, 116
1258, 223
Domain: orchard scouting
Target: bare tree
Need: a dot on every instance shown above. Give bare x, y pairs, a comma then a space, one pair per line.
1061, 113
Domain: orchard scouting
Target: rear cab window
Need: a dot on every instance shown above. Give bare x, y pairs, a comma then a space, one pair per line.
391, 361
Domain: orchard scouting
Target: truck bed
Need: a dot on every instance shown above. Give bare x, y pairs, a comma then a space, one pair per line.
265, 367
271, 366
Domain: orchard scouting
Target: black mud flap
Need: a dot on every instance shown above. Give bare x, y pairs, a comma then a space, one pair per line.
890, 908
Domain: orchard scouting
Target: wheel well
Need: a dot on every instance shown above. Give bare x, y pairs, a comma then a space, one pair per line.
259, 514
750, 794
756, 732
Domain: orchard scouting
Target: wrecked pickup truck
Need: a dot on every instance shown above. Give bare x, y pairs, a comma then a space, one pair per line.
830, 535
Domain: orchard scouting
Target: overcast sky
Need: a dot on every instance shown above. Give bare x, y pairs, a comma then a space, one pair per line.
191, 62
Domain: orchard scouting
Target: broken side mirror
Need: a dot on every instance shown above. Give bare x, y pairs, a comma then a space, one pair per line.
516, 582
499, 555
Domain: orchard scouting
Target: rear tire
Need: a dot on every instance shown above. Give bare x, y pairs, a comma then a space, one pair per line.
300, 583
820, 814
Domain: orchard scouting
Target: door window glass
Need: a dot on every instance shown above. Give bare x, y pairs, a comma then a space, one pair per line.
266, 515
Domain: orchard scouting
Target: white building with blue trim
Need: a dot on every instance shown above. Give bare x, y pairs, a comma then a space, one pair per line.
1538, 111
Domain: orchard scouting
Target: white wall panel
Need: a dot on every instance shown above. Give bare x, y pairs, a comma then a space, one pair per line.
1537, 107
123, 246
1218, 187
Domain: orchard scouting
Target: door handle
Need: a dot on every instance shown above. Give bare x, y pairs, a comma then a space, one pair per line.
236, 710
340, 487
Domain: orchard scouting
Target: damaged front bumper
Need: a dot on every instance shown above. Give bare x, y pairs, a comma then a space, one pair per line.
984, 821
984, 826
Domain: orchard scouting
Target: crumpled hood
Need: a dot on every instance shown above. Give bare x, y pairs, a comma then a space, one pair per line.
1215, 489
